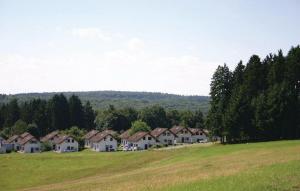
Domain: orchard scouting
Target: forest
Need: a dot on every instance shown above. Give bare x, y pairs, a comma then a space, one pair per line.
258, 101
40, 117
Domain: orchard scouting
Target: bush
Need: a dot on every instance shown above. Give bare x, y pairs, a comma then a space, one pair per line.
46, 146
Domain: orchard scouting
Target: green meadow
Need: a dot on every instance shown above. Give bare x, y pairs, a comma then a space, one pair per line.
254, 166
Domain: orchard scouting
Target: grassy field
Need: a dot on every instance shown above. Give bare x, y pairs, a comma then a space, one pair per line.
255, 166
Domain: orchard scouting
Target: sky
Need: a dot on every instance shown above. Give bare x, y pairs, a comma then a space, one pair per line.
169, 46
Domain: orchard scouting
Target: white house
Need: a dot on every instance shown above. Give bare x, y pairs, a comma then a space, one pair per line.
50, 138
163, 136
198, 135
140, 141
13, 141
65, 143
104, 142
183, 134
124, 138
29, 144
88, 137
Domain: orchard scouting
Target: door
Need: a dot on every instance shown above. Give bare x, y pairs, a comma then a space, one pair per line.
182, 139
146, 146
31, 150
106, 148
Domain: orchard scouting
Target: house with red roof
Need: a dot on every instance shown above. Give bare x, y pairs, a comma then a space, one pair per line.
65, 143
104, 141
29, 144
163, 136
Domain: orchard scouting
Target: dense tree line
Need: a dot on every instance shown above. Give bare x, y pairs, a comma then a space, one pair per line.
257, 101
40, 117
154, 116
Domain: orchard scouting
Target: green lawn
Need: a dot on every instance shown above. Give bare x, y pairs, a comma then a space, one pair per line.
255, 166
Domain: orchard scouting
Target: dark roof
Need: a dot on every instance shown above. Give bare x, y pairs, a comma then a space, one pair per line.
125, 134
61, 138
90, 134
158, 131
12, 138
138, 135
27, 138
100, 136
49, 136
177, 129
24, 135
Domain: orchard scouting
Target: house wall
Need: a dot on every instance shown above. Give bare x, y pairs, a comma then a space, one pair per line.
35, 146
140, 145
184, 136
166, 138
109, 144
67, 145
2, 147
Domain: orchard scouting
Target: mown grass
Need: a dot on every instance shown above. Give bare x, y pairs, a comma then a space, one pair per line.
255, 166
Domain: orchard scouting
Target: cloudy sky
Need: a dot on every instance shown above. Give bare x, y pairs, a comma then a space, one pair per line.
170, 46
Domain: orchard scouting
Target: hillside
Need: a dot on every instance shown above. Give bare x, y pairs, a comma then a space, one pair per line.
120, 99
241, 167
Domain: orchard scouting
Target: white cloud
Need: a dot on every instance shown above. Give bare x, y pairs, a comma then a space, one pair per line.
91, 33
136, 44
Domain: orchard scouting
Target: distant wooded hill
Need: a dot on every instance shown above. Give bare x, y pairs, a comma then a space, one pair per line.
121, 99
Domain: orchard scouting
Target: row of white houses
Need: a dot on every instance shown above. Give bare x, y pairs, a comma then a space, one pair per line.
26, 143
162, 136
105, 140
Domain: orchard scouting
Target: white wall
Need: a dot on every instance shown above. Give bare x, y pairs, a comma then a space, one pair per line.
109, 143
63, 147
166, 138
186, 135
31, 147
142, 143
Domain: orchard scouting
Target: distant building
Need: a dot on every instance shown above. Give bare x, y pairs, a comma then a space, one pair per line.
88, 137
141, 141
49, 138
29, 144
183, 134
198, 135
163, 136
104, 141
65, 143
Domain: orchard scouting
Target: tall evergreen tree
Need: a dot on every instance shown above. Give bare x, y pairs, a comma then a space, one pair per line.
76, 112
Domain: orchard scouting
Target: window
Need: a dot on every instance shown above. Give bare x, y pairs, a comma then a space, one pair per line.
104, 139
144, 138
68, 148
72, 140
111, 139
201, 133
164, 134
149, 138
165, 140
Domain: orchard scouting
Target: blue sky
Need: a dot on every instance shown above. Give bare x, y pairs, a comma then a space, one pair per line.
167, 46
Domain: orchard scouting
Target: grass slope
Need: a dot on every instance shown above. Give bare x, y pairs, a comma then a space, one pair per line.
256, 166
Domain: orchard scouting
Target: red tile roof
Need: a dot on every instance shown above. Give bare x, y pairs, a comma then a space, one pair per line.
90, 134
125, 134
27, 138
13, 138
61, 138
195, 130
24, 135
49, 136
138, 135
100, 136
177, 129
158, 131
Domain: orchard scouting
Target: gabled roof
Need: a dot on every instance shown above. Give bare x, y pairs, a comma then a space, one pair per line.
90, 134
177, 129
13, 138
24, 135
158, 131
27, 138
196, 130
61, 138
112, 132
49, 136
100, 136
125, 134
138, 135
